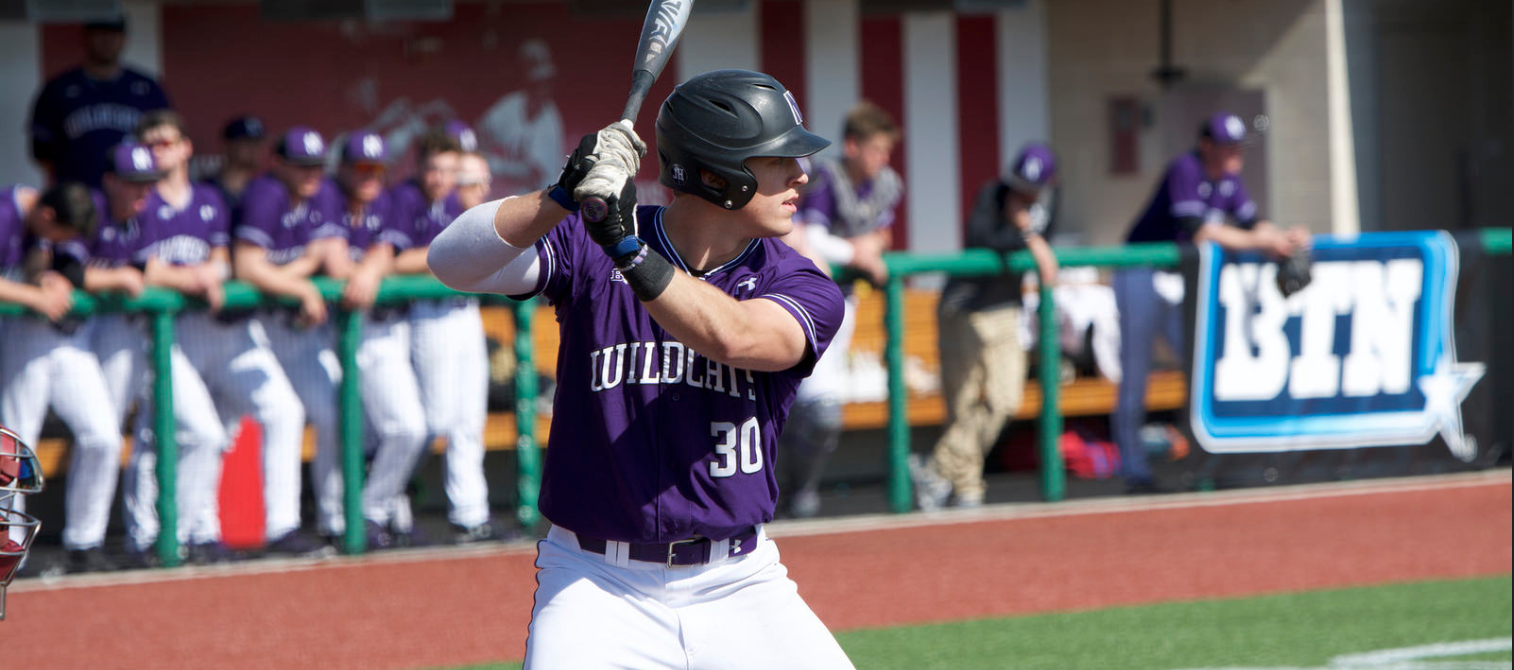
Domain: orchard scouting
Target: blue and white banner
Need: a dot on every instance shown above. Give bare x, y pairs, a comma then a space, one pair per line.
1364, 356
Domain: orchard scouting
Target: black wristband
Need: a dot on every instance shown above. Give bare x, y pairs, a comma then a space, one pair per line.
647, 273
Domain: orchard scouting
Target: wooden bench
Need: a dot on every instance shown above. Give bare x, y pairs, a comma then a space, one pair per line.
1166, 390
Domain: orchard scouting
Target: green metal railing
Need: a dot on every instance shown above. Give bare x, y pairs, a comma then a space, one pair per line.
163, 305
980, 263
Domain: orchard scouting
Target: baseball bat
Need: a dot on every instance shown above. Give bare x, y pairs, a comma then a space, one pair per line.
664, 24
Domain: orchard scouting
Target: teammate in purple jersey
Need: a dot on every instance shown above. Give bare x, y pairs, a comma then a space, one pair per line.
184, 233
58, 367
27, 217
447, 345
290, 228
244, 149
82, 113
387, 383
33, 369
1201, 198
685, 332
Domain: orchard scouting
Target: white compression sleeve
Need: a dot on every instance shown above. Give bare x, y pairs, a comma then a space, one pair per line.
469, 255
830, 247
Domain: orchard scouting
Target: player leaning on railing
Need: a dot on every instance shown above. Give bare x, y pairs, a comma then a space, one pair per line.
685, 331
982, 360
1201, 199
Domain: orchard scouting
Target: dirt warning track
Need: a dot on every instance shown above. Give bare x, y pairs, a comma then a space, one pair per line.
445, 608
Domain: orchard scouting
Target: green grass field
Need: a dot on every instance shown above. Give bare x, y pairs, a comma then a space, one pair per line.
1294, 631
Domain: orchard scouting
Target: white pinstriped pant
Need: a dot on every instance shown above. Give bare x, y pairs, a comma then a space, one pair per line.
452, 365
312, 367
41, 367
121, 346
244, 377
392, 405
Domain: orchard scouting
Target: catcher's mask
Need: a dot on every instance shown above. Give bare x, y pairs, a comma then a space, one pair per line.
13, 525
19, 474
19, 470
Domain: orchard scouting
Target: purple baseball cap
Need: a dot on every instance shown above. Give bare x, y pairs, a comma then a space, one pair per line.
133, 162
365, 146
244, 128
463, 133
1224, 128
1033, 169
302, 145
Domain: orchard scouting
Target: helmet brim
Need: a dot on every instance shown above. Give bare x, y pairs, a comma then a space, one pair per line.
796, 143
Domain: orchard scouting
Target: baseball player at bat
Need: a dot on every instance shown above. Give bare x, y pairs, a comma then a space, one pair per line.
685, 331
1201, 198
391, 396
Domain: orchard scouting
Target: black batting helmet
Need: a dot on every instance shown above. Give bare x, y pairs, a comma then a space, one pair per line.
717, 120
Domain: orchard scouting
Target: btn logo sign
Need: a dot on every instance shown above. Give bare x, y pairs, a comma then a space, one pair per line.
1364, 356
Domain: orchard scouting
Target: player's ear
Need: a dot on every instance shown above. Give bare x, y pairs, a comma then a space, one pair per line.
712, 180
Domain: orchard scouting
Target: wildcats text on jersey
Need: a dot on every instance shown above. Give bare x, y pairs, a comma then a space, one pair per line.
1365, 356
668, 363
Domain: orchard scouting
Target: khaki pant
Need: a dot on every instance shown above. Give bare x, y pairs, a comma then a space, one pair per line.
983, 381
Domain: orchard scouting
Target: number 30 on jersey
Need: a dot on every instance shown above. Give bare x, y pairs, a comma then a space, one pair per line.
738, 447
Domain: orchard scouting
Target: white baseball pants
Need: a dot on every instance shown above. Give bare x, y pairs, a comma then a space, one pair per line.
737, 614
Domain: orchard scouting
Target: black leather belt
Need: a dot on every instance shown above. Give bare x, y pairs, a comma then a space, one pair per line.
693, 551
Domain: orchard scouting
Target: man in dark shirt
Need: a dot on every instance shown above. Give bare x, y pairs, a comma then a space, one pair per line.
982, 361
82, 113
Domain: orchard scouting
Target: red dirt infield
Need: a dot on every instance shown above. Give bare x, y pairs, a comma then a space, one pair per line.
454, 608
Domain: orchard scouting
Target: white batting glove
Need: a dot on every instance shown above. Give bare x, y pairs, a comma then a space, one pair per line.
618, 154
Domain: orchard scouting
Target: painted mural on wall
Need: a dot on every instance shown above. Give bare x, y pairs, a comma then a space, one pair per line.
530, 78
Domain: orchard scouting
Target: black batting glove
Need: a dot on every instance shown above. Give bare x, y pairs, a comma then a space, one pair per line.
573, 172
611, 222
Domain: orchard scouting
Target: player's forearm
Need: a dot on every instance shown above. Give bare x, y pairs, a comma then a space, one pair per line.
751, 335
377, 261
19, 294
413, 261
1232, 238
97, 280
1046, 259
179, 278
252, 266
521, 221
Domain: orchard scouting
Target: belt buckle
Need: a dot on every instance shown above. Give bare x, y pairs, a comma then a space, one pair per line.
672, 545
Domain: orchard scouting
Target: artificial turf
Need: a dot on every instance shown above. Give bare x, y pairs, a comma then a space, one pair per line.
1287, 631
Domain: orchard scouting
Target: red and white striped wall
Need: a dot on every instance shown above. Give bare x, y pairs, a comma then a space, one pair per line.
968, 89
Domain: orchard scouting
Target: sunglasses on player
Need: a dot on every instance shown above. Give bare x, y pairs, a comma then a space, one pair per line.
368, 170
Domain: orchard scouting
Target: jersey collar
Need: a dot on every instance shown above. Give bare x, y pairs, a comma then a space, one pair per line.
672, 252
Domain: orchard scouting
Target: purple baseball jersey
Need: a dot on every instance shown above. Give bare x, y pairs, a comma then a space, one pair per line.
269, 219
12, 230
651, 441
77, 119
418, 218
375, 225
1186, 194
116, 242
849, 209
185, 235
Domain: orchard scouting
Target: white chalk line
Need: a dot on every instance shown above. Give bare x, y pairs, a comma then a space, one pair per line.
1411, 658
